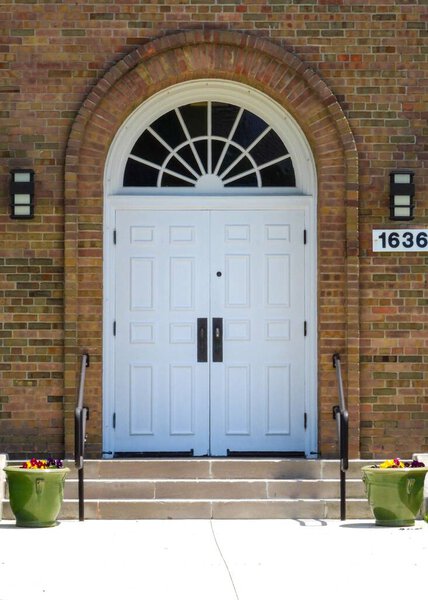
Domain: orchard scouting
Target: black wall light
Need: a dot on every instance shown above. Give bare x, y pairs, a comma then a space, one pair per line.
22, 194
402, 190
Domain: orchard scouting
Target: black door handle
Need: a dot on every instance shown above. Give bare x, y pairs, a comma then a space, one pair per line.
202, 326
217, 340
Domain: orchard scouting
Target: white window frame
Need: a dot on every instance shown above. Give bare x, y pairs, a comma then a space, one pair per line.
218, 90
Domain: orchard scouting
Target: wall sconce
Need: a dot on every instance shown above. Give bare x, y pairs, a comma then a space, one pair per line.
402, 190
22, 194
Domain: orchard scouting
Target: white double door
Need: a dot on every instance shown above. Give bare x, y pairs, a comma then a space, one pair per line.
209, 333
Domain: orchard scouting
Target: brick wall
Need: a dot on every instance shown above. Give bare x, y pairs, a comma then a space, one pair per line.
372, 56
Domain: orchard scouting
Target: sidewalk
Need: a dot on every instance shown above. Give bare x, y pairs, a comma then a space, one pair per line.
207, 560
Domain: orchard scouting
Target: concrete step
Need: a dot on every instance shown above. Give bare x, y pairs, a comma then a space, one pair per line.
211, 509
220, 468
213, 489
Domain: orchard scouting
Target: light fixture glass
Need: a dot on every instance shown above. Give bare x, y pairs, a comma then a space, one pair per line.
402, 190
22, 194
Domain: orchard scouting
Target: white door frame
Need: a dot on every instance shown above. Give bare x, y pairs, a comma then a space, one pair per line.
263, 202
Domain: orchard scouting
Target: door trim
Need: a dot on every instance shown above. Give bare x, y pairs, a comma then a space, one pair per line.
259, 202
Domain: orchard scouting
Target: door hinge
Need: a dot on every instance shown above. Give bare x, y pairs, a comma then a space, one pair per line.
305, 236
305, 420
305, 328
114, 420
114, 328
114, 237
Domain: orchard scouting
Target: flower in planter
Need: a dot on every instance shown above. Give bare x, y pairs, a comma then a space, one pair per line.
50, 463
36, 491
396, 463
394, 490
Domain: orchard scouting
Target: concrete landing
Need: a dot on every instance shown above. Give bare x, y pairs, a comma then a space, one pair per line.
213, 560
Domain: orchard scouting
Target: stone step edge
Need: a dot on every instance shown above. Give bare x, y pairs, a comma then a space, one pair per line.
196, 500
207, 480
149, 509
311, 469
213, 461
295, 461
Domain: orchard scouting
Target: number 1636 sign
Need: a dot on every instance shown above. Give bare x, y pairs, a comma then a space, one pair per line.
400, 240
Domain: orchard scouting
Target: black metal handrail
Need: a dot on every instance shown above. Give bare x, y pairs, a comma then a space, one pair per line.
81, 415
340, 414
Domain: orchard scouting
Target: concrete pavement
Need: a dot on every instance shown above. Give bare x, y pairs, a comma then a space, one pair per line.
207, 560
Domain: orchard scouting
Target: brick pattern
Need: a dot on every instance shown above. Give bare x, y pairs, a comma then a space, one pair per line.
31, 292
259, 63
73, 66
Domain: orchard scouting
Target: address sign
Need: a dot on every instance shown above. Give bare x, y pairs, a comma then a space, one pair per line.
400, 240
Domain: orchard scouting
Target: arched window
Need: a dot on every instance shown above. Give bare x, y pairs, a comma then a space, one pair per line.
209, 145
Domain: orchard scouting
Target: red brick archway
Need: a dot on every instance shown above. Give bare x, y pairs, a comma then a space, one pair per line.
284, 77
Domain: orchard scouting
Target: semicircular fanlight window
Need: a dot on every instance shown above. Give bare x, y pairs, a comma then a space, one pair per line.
209, 146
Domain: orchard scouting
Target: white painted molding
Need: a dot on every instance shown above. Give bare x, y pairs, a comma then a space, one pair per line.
304, 195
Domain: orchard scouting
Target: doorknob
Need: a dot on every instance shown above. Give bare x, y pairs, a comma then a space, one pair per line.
202, 326
218, 340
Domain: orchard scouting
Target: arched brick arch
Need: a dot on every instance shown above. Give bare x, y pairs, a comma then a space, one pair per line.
284, 77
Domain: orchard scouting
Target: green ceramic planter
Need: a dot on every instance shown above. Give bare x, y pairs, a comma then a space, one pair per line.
395, 495
36, 495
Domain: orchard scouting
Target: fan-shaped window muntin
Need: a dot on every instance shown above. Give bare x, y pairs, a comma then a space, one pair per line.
209, 145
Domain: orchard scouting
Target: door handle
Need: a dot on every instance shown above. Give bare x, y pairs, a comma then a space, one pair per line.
218, 340
202, 326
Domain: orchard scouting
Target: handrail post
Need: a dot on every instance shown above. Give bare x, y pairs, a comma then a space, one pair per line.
342, 495
81, 495
340, 414
81, 415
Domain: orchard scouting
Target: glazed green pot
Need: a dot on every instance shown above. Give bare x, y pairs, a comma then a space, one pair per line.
36, 495
395, 495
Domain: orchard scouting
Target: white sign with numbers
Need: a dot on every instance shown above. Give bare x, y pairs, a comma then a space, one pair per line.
400, 240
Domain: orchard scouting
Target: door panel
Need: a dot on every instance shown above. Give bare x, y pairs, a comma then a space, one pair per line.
162, 288
257, 392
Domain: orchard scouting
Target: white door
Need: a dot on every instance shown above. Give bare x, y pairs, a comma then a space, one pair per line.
162, 281
232, 282
257, 392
